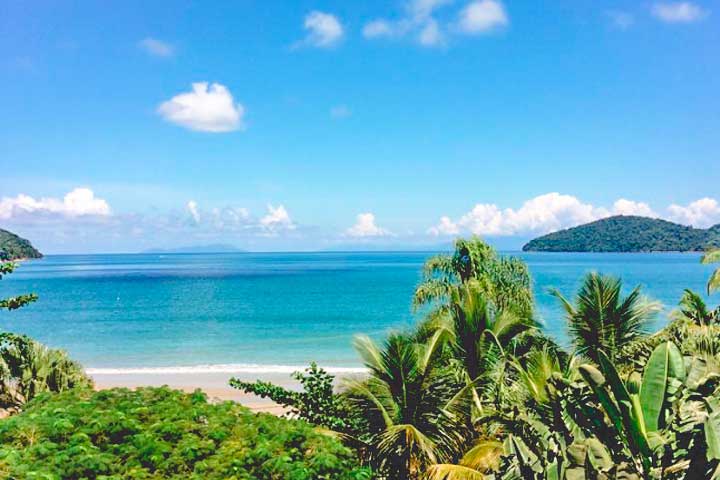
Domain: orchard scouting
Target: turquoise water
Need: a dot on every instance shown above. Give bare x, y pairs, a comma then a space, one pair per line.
269, 311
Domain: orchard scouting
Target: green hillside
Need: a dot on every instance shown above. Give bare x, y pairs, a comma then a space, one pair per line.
627, 234
17, 247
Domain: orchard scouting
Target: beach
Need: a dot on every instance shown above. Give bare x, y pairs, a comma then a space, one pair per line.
215, 385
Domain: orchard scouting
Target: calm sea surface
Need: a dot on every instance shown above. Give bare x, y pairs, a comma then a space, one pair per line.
270, 310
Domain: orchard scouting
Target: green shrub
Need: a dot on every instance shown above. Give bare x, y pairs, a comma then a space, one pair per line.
154, 433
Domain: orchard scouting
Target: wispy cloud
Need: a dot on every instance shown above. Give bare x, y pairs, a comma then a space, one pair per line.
340, 111
678, 12
482, 16
207, 108
431, 22
620, 19
324, 30
156, 47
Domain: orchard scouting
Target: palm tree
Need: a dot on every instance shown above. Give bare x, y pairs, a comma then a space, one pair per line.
694, 309
714, 281
481, 337
505, 280
406, 399
602, 320
28, 368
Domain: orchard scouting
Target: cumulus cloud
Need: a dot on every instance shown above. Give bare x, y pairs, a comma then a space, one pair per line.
79, 202
444, 227
207, 108
365, 227
482, 16
156, 47
629, 207
276, 219
417, 21
678, 12
553, 211
323, 30
700, 213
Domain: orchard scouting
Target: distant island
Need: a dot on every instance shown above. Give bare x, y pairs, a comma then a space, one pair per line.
628, 234
17, 247
214, 248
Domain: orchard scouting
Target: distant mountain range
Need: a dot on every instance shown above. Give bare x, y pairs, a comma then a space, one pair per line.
214, 248
628, 234
17, 247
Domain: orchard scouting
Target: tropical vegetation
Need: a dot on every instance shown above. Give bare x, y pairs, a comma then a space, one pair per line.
159, 433
478, 391
16, 247
628, 234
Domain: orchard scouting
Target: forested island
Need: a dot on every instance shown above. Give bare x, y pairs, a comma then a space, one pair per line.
628, 234
16, 247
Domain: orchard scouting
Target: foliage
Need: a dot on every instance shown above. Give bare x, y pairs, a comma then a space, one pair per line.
600, 319
408, 402
627, 234
158, 433
714, 281
12, 303
16, 247
28, 368
505, 281
317, 403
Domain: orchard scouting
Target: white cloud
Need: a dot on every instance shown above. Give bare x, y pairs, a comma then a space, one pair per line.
678, 12
482, 16
365, 227
340, 111
630, 207
324, 29
378, 28
192, 208
430, 34
445, 227
276, 219
204, 109
620, 19
418, 21
701, 213
541, 214
425, 8
156, 47
553, 211
79, 202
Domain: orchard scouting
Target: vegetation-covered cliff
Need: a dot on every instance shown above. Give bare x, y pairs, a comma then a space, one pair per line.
17, 247
628, 234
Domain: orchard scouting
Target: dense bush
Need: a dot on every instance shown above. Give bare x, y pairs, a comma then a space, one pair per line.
154, 433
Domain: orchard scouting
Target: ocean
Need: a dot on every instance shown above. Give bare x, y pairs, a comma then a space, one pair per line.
271, 312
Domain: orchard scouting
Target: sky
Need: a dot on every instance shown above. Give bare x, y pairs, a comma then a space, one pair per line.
311, 125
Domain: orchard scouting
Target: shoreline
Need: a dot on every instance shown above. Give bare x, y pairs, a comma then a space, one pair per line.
214, 383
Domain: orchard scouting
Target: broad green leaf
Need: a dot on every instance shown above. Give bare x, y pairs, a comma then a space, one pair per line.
666, 362
637, 440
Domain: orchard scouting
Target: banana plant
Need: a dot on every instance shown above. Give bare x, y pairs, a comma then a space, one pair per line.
639, 408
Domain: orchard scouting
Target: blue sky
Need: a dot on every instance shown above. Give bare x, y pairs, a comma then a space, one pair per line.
320, 124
